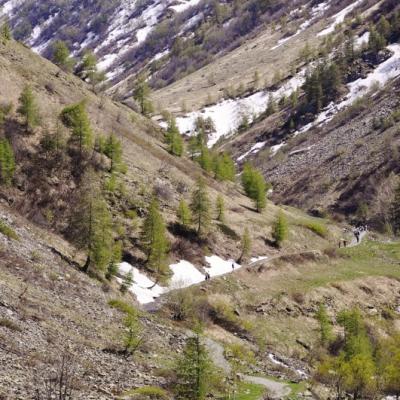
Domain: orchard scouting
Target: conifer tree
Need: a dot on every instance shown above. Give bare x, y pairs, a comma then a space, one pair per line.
254, 186
141, 94
127, 282
376, 41
395, 211
61, 56
245, 245
183, 213
224, 167
113, 150
324, 325
271, 107
384, 27
92, 224
200, 207
220, 207
7, 162
280, 229
194, 371
5, 32
174, 138
76, 118
28, 108
205, 159
116, 257
154, 240
133, 336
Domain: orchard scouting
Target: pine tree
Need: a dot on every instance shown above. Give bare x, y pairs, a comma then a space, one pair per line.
141, 94
113, 150
384, 28
194, 371
154, 240
280, 229
245, 246
271, 107
200, 207
224, 167
174, 138
254, 186
61, 56
5, 32
127, 282
183, 213
220, 207
92, 224
116, 257
395, 211
7, 162
205, 159
133, 336
76, 118
324, 325
376, 41
28, 108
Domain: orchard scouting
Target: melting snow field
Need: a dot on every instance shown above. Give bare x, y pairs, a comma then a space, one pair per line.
384, 72
339, 18
227, 115
184, 274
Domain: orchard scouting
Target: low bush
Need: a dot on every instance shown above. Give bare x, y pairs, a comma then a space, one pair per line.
7, 231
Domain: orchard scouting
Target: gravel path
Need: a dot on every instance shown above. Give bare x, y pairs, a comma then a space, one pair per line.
276, 390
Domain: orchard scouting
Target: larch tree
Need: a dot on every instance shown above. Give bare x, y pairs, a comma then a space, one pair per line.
61, 56
280, 229
245, 245
92, 224
395, 211
7, 162
183, 213
28, 108
220, 208
200, 207
154, 240
174, 138
113, 150
141, 94
75, 118
194, 371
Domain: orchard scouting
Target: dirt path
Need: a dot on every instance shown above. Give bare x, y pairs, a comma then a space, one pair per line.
276, 390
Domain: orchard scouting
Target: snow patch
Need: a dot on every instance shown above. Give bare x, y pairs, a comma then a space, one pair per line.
339, 18
227, 115
218, 266
184, 5
255, 149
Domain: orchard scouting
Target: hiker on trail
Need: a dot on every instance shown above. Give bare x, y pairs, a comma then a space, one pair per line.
207, 276
233, 266
345, 243
357, 235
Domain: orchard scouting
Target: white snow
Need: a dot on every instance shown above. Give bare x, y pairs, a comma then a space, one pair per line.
228, 114
274, 149
384, 72
184, 5
255, 149
257, 259
339, 18
184, 274
218, 266
144, 288
361, 40
316, 12
8, 7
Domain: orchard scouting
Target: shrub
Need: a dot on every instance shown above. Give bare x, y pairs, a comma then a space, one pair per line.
147, 393
317, 228
122, 306
7, 231
12, 326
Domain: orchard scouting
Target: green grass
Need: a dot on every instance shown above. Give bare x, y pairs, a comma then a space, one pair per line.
249, 391
122, 306
316, 227
368, 259
7, 231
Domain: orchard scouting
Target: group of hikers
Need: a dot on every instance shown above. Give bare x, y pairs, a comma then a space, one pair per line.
357, 232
